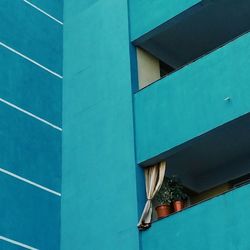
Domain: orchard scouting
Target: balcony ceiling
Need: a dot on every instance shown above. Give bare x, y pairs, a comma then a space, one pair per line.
214, 158
197, 31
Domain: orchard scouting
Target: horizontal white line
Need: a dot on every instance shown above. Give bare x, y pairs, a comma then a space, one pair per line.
29, 182
42, 11
17, 243
31, 60
30, 114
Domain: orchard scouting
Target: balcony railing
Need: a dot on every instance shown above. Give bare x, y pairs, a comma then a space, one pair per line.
219, 223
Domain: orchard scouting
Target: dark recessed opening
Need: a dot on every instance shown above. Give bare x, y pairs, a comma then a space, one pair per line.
165, 69
196, 32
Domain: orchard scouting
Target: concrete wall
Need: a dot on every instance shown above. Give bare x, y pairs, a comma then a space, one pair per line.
191, 101
30, 113
99, 203
219, 223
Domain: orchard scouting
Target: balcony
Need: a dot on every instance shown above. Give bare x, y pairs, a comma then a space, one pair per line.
198, 98
219, 223
145, 15
193, 33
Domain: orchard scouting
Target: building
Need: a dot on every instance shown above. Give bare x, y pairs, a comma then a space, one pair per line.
31, 121
95, 92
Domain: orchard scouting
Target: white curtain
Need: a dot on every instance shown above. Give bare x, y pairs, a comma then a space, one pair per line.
153, 179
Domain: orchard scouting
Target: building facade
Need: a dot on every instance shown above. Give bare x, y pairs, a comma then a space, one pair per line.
94, 92
31, 121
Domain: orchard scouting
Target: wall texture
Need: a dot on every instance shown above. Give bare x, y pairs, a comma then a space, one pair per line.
99, 203
30, 134
219, 223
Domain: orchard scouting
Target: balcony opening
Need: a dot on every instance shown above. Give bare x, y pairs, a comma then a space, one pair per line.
194, 198
207, 166
150, 68
192, 34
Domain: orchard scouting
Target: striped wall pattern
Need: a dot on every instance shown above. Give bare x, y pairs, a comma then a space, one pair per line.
30, 123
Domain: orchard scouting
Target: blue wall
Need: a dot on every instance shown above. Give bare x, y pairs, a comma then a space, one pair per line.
191, 101
99, 203
54, 8
28, 30
30, 148
219, 223
28, 215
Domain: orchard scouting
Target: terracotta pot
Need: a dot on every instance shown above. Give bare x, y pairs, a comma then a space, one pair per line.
178, 205
163, 211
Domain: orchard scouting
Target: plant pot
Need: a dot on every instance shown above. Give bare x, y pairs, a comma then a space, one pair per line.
163, 211
178, 205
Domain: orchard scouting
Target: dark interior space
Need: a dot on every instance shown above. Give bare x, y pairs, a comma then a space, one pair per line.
219, 156
165, 69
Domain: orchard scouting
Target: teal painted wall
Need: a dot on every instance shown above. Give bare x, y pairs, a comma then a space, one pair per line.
32, 31
28, 215
103, 190
219, 223
54, 8
191, 101
99, 203
29, 147
146, 15
23, 81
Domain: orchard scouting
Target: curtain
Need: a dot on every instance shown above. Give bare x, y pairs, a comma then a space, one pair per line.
154, 176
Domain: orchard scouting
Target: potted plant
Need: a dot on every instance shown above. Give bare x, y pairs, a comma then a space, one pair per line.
178, 196
163, 198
